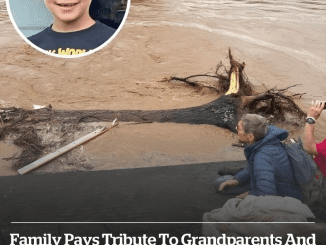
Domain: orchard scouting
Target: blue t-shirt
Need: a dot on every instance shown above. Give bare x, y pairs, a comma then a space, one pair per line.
71, 43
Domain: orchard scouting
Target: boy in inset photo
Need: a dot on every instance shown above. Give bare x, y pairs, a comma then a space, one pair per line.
73, 30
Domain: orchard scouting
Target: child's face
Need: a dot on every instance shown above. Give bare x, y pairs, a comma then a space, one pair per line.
68, 10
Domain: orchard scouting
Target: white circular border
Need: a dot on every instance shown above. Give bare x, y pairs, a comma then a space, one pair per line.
68, 56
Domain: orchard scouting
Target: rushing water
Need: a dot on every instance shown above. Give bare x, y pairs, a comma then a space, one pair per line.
282, 43
295, 27
292, 10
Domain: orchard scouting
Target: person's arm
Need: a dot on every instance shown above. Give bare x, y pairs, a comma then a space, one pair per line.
309, 141
264, 176
242, 175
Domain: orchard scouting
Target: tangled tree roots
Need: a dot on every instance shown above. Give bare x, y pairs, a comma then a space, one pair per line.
276, 106
221, 78
273, 104
225, 111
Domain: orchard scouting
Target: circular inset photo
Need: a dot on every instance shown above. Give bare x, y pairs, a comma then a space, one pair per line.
68, 28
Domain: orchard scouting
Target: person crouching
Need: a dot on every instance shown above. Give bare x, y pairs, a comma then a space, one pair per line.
269, 171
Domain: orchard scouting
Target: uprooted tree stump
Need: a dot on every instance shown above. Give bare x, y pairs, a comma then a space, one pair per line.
274, 104
225, 112
222, 77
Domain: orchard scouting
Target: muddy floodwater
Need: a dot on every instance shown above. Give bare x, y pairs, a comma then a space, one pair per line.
281, 42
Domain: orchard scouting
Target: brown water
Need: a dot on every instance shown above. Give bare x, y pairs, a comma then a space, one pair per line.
161, 144
7, 152
286, 31
281, 42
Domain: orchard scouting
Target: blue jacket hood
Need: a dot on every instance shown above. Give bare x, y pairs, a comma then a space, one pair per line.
274, 135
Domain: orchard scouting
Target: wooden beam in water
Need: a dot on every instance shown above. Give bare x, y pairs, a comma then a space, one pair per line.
65, 149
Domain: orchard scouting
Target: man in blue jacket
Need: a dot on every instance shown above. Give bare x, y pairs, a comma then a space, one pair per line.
269, 171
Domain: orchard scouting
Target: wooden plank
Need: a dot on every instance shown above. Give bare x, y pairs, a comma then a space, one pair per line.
65, 149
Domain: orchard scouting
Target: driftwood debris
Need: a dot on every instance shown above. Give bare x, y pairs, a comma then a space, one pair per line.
276, 105
65, 149
222, 77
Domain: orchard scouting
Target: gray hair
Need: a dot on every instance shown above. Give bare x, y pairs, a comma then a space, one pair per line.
255, 124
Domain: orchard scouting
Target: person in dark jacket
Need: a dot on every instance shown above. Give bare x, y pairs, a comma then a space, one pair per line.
269, 171
73, 31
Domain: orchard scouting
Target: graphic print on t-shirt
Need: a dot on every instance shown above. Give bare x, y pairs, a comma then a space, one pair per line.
67, 51
72, 43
